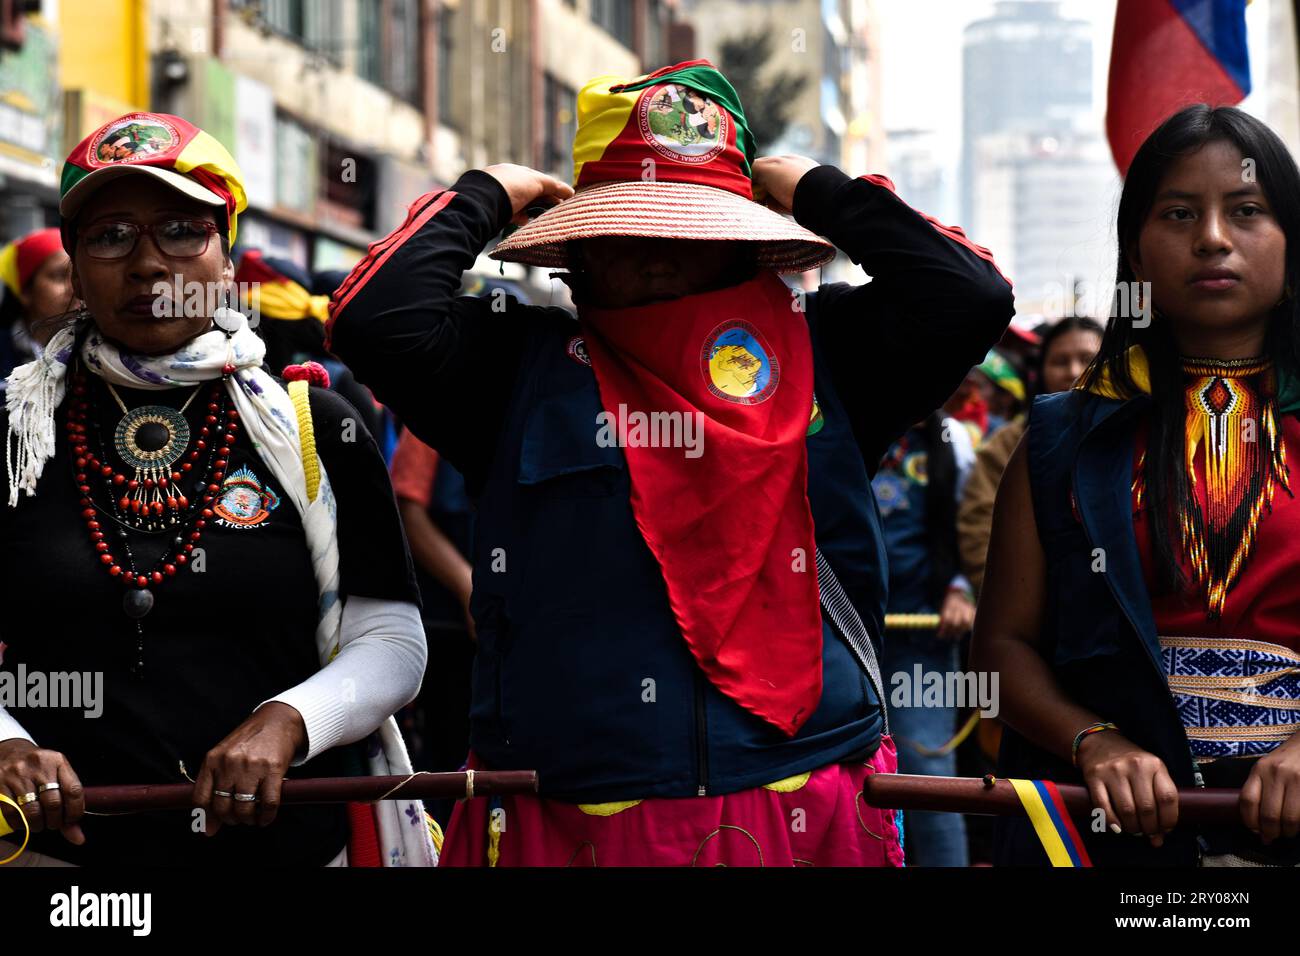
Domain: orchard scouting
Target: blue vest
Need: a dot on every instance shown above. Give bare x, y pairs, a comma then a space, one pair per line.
582, 672
1099, 633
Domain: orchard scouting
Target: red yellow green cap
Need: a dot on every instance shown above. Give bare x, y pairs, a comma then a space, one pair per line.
161, 145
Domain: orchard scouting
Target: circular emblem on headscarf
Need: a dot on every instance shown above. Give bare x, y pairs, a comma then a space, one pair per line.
738, 365
132, 139
682, 124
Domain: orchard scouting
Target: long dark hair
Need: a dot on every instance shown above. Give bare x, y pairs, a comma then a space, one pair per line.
1181, 134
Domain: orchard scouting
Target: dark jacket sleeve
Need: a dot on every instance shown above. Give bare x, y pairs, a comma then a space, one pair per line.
446, 364
898, 346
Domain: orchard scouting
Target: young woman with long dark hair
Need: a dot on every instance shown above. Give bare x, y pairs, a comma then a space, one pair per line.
1140, 600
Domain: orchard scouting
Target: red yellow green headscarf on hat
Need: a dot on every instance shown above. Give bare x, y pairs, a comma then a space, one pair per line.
275, 295
160, 145
20, 260
664, 155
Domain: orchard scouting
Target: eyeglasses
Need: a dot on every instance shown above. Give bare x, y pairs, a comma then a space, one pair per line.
178, 239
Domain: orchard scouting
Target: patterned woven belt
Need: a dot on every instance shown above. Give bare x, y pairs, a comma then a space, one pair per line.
1236, 698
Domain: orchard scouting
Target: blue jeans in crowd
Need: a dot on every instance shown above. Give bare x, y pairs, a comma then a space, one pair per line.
933, 839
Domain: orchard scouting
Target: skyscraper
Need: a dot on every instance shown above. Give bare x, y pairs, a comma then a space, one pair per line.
1037, 183
1026, 69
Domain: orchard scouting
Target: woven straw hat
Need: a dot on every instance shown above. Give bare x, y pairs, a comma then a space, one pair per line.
664, 156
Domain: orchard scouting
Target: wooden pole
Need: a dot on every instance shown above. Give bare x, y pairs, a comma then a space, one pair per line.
897, 791
179, 796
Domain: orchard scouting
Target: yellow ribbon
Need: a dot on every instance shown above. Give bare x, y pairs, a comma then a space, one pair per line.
435, 831
299, 393
6, 829
971, 723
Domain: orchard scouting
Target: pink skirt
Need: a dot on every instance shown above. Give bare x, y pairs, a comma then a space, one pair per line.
814, 819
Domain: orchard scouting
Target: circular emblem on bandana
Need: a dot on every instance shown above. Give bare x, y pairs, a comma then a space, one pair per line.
244, 500
738, 365
682, 124
577, 350
132, 139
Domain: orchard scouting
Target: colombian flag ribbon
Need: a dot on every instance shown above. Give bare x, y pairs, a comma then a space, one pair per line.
1046, 811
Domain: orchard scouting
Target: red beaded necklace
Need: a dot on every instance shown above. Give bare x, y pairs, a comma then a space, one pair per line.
164, 507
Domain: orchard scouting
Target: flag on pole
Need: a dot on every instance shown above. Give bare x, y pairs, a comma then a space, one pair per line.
1168, 54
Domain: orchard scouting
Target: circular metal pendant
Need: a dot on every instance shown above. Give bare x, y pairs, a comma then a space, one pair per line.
137, 603
152, 437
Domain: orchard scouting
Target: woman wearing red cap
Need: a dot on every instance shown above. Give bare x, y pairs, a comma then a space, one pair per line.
38, 291
157, 482
678, 561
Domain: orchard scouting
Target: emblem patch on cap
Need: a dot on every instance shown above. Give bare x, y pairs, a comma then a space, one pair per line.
244, 501
738, 365
682, 124
133, 138
577, 350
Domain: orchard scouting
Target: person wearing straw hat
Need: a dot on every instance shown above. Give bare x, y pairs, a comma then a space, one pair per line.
214, 557
667, 486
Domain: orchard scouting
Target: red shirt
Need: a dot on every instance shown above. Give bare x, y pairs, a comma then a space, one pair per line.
1264, 604
413, 469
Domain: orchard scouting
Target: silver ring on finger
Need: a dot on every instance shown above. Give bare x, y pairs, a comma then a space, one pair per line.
43, 788
26, 798
245, 798
222, 793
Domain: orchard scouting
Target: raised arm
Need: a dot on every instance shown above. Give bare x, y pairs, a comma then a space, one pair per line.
444, 363
899, 345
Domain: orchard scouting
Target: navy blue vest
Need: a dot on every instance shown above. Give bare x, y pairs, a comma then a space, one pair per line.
581, 671
1099, 633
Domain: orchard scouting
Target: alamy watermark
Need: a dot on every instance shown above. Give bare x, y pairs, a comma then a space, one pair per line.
64, 690
1083, 299
636, 429
949, 689
181, 299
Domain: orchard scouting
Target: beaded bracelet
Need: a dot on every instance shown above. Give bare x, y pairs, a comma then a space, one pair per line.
1090, 729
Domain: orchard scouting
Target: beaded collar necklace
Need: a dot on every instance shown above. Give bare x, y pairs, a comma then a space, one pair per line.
156, 442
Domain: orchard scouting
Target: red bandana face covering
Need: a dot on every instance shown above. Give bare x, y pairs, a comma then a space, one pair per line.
710, 396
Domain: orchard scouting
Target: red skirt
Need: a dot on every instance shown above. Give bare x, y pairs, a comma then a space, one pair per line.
815, 819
